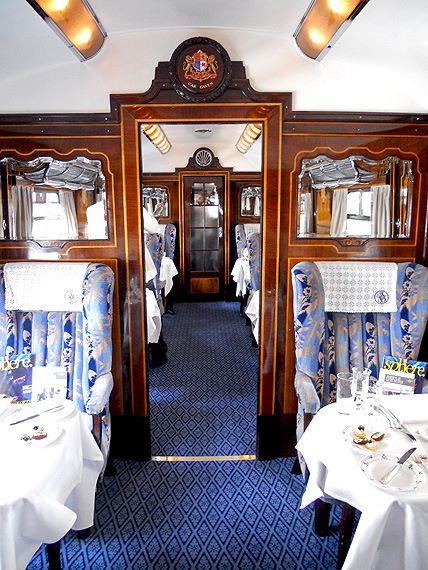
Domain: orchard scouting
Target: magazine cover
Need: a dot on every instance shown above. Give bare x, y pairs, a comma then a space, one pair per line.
16, 377
49, 382
404, 372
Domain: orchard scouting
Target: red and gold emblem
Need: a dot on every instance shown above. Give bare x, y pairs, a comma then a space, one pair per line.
200, 66
200, 69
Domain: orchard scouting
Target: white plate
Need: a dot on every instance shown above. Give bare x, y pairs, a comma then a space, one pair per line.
388, 443
409, 478
53, 433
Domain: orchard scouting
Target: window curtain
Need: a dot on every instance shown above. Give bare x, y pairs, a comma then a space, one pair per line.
381, 211
21, 215
307, 215
66, 201
338, 212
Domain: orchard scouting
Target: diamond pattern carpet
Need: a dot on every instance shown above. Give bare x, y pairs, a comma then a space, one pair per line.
203, 401
223, 515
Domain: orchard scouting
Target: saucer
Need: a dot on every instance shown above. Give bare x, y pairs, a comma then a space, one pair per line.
409, 478
21, 433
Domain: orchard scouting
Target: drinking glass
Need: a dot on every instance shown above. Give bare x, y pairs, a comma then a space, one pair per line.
374, 391
344, 396
360, 383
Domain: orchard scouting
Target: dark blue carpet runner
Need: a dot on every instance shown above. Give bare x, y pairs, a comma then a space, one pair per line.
203, 401
223, 515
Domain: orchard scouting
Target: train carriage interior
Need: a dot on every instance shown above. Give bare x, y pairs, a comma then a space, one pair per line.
213, 285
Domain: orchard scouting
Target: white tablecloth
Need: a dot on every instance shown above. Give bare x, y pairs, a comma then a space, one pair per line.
167, 272
252, 311
241, 275
45, 491
153, 317
393, 527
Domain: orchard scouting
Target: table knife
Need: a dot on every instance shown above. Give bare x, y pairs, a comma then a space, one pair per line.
391, 473
36, 415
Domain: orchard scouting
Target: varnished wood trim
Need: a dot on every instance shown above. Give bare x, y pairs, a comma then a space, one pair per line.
193, 458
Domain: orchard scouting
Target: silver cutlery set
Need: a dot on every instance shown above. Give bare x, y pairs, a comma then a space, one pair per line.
52, 410
417, 448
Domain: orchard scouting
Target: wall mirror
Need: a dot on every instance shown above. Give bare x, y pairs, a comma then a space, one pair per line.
355, 196
156, 201
251, 197
49, 200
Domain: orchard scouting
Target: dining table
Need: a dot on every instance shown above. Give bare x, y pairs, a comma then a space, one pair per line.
49, 471
392, 530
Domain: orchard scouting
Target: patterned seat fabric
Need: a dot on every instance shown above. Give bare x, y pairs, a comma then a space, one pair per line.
170, 239
79, 341
327, 343
155, 246
254, 253
241, 239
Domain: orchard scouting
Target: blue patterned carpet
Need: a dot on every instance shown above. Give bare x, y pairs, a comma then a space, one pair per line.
199, 516
203, 401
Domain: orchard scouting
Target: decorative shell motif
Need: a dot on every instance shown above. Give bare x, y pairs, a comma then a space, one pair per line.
203, 157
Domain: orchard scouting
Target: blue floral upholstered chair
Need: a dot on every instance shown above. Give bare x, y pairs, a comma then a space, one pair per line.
170, 238
327, 343
80, 341
241, 239
254, 254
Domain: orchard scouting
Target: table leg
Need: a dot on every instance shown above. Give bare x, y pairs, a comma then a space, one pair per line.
54, 555
345, 535
84, 533
322, 518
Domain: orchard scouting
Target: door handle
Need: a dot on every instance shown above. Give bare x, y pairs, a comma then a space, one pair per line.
220, 232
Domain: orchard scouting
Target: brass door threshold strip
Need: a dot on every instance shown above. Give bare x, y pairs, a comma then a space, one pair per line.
203, 457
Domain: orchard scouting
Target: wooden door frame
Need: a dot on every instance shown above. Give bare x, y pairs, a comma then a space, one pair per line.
238, 104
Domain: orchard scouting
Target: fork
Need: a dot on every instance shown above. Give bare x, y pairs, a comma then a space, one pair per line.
395, 423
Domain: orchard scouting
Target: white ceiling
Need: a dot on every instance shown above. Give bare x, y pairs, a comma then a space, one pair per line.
379, 64
221, 139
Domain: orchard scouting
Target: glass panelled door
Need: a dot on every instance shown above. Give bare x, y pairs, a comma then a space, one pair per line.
204, 229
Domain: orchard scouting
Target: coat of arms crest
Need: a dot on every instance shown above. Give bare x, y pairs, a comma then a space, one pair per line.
200, 66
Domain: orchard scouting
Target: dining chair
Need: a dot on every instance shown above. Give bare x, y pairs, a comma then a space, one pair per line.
328, 342
240, 238
79, 340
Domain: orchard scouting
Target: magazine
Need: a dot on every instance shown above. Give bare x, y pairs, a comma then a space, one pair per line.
49, 382
16, 377
400, 375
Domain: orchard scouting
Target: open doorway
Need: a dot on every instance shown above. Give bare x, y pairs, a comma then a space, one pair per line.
203, 394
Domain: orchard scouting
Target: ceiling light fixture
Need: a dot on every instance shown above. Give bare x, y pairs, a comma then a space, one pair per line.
156, 136
324, 22
76, 24
251, 133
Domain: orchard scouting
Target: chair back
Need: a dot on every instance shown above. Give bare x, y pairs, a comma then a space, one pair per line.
328, 342
241, 239
170, 240
254, 253
80, 341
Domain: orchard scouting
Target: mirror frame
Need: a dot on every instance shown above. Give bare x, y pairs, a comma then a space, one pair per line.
346, 243
352, 185
60, 247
